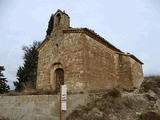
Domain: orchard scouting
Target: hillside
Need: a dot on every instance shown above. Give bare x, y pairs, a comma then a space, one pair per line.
142, 104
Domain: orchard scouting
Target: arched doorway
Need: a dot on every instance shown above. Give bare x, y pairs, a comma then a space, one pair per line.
59, 72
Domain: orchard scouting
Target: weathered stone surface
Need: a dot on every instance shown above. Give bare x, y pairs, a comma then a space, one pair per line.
89, 62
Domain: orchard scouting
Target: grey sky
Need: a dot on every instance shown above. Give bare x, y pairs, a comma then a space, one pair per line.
131, 25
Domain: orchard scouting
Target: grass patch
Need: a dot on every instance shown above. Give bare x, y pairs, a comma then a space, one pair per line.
149, 116
151, 83
31, 92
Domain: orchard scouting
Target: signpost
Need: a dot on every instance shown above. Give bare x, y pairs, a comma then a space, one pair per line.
63, 99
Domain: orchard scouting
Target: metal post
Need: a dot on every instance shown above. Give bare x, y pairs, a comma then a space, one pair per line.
60, 105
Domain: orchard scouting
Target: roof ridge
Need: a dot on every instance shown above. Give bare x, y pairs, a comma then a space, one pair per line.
103, 41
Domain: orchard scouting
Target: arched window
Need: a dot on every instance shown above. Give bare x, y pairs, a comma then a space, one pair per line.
58, 18
59, 72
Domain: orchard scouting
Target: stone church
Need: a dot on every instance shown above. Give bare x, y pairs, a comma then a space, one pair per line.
83, 60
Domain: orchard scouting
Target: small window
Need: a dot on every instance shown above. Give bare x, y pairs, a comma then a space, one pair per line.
58, 19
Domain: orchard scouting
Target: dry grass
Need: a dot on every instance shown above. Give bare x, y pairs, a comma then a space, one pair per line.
112, 93
128, 106
31, 92
2, 118
110, 104
151, 83
149, 116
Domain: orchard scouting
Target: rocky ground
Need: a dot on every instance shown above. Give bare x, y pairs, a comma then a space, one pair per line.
116, 104
142, 104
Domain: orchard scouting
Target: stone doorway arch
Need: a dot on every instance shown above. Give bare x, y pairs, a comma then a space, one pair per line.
56, 72
59, 74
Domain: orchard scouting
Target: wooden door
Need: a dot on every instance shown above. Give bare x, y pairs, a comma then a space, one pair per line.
59, 78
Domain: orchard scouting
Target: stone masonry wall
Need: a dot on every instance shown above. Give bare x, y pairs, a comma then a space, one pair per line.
137, 73
87, 65
88, 61
37, 107
129, 71
124, 72
69, 54
100, 69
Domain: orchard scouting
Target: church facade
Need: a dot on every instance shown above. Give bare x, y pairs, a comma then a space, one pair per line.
83, 60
